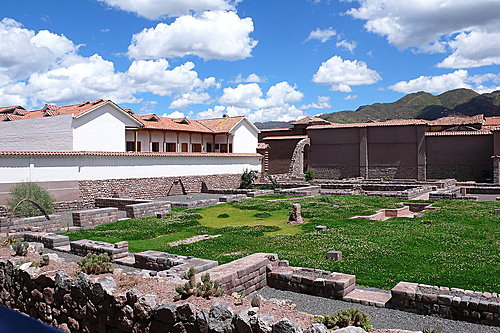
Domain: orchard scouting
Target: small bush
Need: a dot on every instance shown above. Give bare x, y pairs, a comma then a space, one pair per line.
21, 248
247, 178
8, 241
309, 175
34, 192
263, 215
95, 264
223, 216
205, 289
348, 317
255, 302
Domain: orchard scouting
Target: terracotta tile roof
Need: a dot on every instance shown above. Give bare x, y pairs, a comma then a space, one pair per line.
11, 109
311, 120
289, 137
453, 133
456, 120
106, 153
275, 129
393, 122
262, 145
164, 123
489, 121
221, 125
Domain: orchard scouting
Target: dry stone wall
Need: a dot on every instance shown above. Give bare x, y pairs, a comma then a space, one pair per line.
37, 223
94, 217
147, 209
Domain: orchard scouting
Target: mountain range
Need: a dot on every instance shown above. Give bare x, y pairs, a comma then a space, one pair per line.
420, 105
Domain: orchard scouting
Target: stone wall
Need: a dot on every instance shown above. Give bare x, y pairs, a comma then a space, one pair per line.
384, 172
47, 239
85, 246
458, 304
81, 305
312, 281
119, 203
3, 211
147, 209
94, 217
37, 223
336, 172
162, 261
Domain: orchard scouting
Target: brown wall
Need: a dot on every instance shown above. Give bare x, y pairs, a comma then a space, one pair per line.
280, 154
460, 157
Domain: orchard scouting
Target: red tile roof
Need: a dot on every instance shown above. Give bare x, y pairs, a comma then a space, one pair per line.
105, 153
10, 109
221, 125
164, 123
288, 137
456, 120
453, 133
311, 120
491, 121
275, 129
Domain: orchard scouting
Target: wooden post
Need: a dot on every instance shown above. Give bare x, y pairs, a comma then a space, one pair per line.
135, 141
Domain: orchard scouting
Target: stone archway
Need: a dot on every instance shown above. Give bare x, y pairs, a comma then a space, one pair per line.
296, 169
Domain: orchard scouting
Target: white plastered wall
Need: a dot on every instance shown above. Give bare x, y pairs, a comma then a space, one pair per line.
245, 138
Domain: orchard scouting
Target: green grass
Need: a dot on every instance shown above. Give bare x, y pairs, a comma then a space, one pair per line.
455, 246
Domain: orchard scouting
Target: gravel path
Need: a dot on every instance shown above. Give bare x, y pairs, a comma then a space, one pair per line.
380, 317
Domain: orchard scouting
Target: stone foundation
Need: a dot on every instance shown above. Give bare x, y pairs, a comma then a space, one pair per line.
37, 223
458, 304
85, 246
94, 217
147, 209
161, 261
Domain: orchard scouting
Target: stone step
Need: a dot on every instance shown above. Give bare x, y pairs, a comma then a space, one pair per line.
64, 248
126, 261
367, 297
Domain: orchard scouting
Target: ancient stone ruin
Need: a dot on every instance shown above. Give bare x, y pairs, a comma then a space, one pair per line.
296, 215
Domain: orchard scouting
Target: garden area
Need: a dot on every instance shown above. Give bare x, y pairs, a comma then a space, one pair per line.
456, 245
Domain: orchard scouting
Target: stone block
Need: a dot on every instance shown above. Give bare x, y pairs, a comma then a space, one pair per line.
321, 227
497, 212
334, 255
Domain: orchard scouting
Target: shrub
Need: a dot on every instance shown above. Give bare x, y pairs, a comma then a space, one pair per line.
348, 317
95, 264
309, 175
223, 216
263, 215
21, 248
274, 183
205, 289
247, 178
255, 302
34, 192
8, 241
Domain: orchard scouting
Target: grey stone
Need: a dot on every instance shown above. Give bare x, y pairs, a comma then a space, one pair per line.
35, 247
202, 321
285, 326
165, 313
316, 328
350, 329
262, 324
497, 211
241, 323
144, 306
296, 215
334, 255
220, 318
186, 312
321, 227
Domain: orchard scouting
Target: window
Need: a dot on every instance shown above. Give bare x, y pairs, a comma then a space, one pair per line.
230, 147
223, 148
217, 148
184, 147
130, 146
196, 148
170, 147
209, 147
155, 147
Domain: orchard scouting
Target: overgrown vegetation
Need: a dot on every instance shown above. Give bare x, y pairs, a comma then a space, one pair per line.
34, 192
95, 264
247, 179
309, 175
458, 247
206, 288
20, 248
263, 215
347, 317
255, 302
223, 216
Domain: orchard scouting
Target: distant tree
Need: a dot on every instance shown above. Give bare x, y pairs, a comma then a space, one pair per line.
34, 192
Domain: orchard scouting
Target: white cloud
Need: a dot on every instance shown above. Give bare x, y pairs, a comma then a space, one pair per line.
350, 97
467, 28
250, 78
175, 114
342, 74
441, 83
185, 100
212, 35
323, 35
28, 52
249, 100
350, 46
322, 103
154, 9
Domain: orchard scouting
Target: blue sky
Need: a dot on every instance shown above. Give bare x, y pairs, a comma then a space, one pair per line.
269, 60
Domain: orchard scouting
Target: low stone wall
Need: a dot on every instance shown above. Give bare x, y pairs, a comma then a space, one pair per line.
194, 203
3, 211
48, 240
37, 223
94, 217
147, 209
162, 261
119, 203
311, 281
82, 305
483, 189
244, 275
450, 194
307, 191
458, 304
85, 246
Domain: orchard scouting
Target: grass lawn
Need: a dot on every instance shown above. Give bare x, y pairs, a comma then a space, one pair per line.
455, 246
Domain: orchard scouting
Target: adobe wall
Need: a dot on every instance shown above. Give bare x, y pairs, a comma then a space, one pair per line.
460, 157
280, 154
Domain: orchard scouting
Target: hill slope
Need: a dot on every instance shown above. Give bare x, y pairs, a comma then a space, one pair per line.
423, 105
